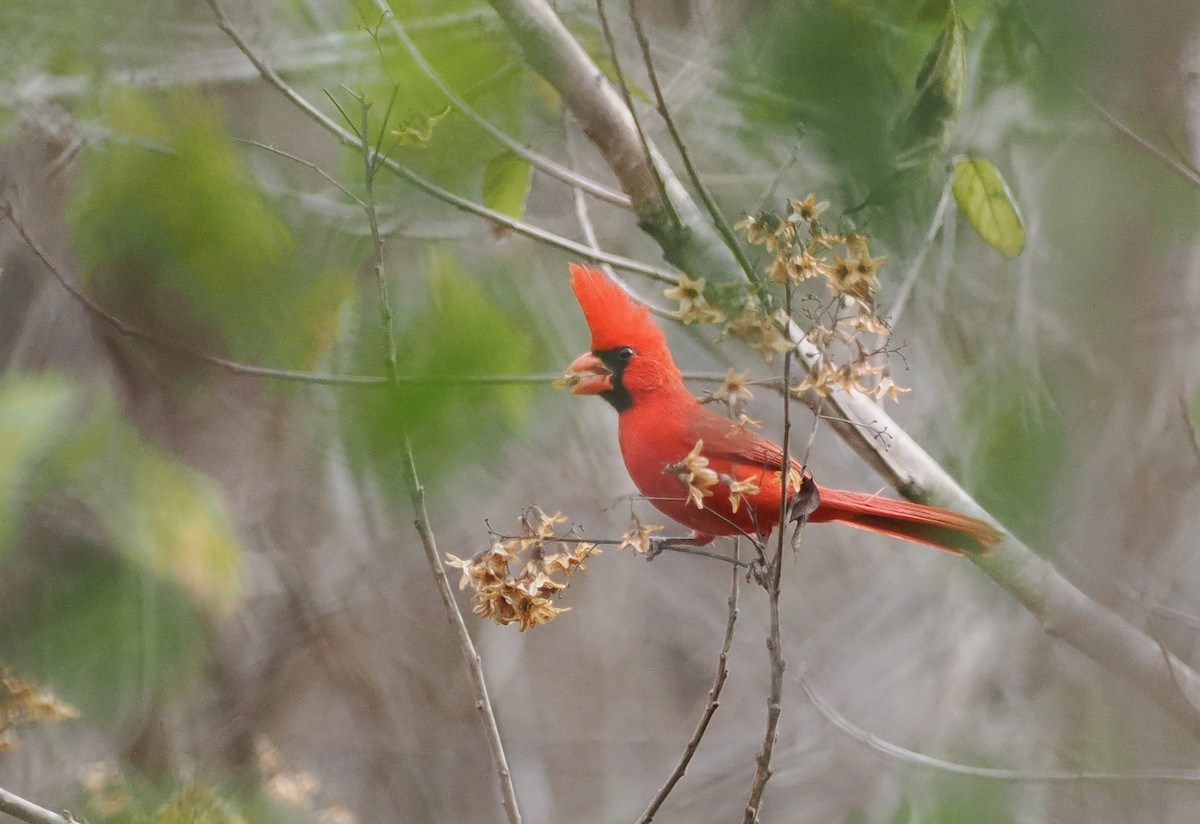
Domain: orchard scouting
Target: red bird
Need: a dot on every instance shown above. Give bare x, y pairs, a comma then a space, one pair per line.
734, 474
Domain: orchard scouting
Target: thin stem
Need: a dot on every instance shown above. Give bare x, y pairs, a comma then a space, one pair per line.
385, 306
350, 139
417, 495
267, 147
237, 368
887, 748
27, 811
569, 176
714, 699
710, 205
1183, 170
623, 84
465, 646
763, 772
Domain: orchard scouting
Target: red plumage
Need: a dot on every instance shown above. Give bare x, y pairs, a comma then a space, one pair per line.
661, 422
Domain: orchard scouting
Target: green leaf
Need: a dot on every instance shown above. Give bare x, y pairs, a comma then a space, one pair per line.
925, 132
506, 184
171, 228
985, 199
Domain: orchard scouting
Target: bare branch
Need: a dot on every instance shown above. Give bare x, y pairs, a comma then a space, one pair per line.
27, 811
554, 53
714, 700
714, 212
1183, 170
627, 96
887, 748
237, 368
467, 647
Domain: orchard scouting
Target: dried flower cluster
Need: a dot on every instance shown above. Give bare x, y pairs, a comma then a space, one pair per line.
802, 250
23, 703
524, 596
699, 479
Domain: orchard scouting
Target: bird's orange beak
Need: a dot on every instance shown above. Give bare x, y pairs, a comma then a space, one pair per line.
590, 375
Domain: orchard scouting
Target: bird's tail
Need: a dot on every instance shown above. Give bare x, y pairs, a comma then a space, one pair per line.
923, 524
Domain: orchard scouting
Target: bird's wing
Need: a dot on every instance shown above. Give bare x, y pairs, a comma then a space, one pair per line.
724, 440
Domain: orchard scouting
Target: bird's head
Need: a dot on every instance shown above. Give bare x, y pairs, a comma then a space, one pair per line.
629, 359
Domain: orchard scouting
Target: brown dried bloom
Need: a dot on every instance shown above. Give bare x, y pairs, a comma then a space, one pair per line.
22, 703
739, 488
514, 579
743, 420
734, 391
638, 536
693, 473
567, 381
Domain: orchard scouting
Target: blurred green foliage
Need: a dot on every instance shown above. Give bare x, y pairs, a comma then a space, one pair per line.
506, 184
33, 415
112, 639
955, 800
121, 620
171, 228
449, 330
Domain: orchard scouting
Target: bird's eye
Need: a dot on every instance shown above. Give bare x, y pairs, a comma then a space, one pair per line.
625, 353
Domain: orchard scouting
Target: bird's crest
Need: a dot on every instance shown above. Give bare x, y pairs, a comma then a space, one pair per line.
613, 317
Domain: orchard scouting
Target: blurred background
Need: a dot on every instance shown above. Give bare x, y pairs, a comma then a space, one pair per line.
219, 573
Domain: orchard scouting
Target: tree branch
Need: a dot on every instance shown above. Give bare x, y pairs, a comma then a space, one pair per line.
554, 53
714, 700
887, 748
1063, 609
27, 811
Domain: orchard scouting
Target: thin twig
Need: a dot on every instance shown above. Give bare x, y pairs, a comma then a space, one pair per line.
762, 772
710, 205
714, 699
1181, 169
235, 367
347, 137
576, 181
887, 748
27, 811
1193, 438
623, 85
267, 147
917, 264
466, 647
421, 516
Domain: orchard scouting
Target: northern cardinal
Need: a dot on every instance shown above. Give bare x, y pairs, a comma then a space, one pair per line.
669, 438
